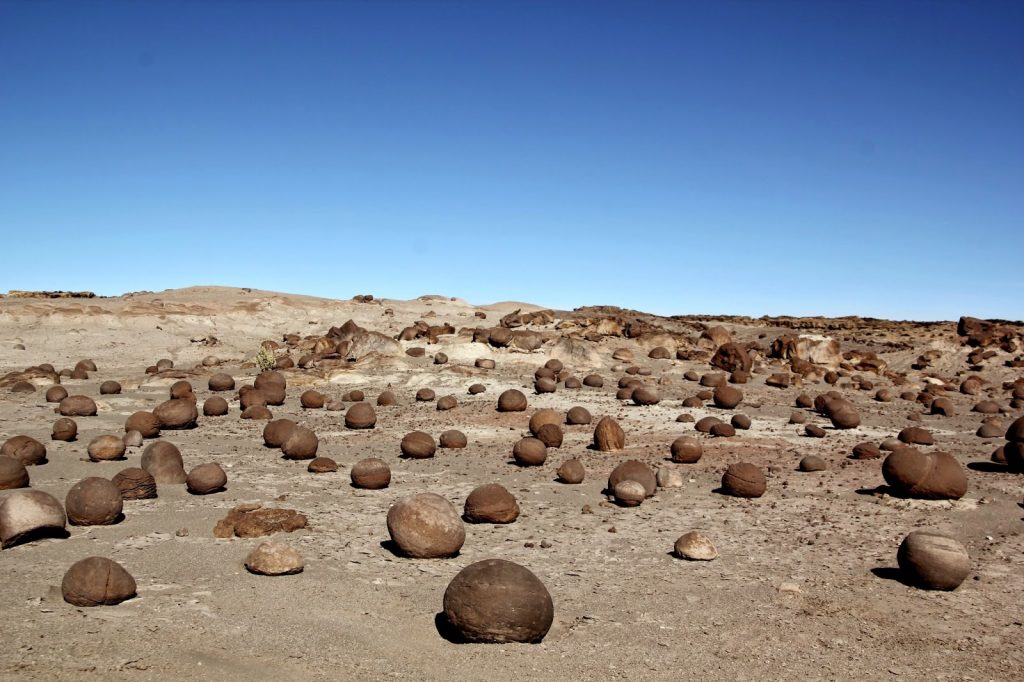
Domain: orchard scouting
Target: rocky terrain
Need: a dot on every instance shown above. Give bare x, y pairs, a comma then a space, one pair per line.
804, 582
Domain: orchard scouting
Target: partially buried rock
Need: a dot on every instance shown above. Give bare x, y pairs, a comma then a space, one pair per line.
322, 465
743, 480
491, 503
453, 439
866, 451
571, 471
529, 452
205, 479
64, 429
276, 432
426, 526
56, 393
927, 476
135, 484
933, 561
425, 395
812, 463
695, 546
221, 382
25, 449
686, 450
418, 445
360, 416
634, 470
915, 435
93, 501
215, 406
608, 435
577, 416
106, 447
110, 388
144, 422
176, 413
163, 462
28, 514
448, 402
97, 581
476, 389
727, 397
302, 443
629, 493
371, 474
669, 478
312, 400
645, 395
512, 400
387, 398
551, 435
77, 406
274, 558
498, 601
814, 431
13, 474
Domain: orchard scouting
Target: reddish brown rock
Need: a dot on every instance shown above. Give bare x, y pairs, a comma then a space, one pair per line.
64, 429
498, 601
571, 471
206, 479
93, 501
491, 503
426, 526
25, 449
135, 484
418, 445
931, 476
530, 452
371, 473
77, 406
97, 581
453, 439
176, 413
608, 435
744, 480
301, 443
512, 400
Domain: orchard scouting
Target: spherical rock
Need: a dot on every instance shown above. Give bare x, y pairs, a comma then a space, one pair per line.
13, 474
695, 546
933, 561
512, 400
722, 430
312, 400
387, 398
110, 388
573, 382
542, 417
1015, 433
669, 478
814, 431
744, 480
215, 406
915, 435
498, 601
55, 394
645, 395
163, 462
26, 514
221, 382
418, 445
491, 503
571, 471
135, 484
693, 401
425, 395
704, 424
205, 479
426, 526
144, 422
551, 435
453, 439
942, 407
176, 413
274, 558
845, 417
360, 416
106, 447
926, 476
686, 450
77, 406
371, 473
544, 385
727, 397
276, 432
608, 435
629, 493
634, 470
25, 449
301, 443
866, 451
577, 416
446, 403
182, 390
530, 452
93, 501
593, 381
476, 389
740, 421
64, 429
322, 465
812, 463
97, 581
990, 431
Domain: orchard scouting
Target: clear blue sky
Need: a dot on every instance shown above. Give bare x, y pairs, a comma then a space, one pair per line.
675, 157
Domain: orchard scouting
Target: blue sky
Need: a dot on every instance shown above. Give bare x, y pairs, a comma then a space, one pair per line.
675, 157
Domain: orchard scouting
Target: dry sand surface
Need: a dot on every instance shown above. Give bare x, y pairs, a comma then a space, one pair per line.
805, 586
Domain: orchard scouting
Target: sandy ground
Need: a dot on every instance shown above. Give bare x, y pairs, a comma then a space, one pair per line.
803, 589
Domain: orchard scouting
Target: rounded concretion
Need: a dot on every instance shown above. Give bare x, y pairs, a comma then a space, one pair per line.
93, 501
695, 546
491, 503
608, 435
77, 406
301, 443
634, 470
176, 413
276, 432
476, 389
645, 395
629, 493
927, 476
274, 558
205, 479
426, 526
933, 561
845, 417
425, 395
97, 581
106, 447
360, 416
593, 381
215, 406
1015, 433
686, 450
110, 388
530, 452
542, 417
371, 474
812, 463
387, 398
163, 462
64, 429
866, 450
312, 400
727, 397
744, 480
13, 474
577, 416
322, 465
26, 513
453, 439
448, 402
144, 422
498, 601
132, 439
512, 400
25, 449
221, 382
418, 445
571, 471
135, 484
55, 394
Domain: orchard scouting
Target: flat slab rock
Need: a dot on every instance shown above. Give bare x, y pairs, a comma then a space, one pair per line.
253, 521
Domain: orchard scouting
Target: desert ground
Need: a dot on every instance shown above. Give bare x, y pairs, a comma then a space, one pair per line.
805, 586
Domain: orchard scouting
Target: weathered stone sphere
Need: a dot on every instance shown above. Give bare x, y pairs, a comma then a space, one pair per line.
573, 382
740, 421
425, 395
722, 430
529, 452
182, 390
163, 462
251, 397
97, 581
205, 479
360, 416
571, 471
551, 435
387, 398
371, 473
812, 463
498, 601
932, 561
144, 422
593, 381
27, 514
926, 476
301, 443
64, 429
577, 416
866, 451
512, 400
133, 439
440, 359
634, 470
915, 435
544, 385
814, 431
274, 558
629, 493
845, 417
221, 382
418, 445
77, 406
106, 447
270, 378
13, 474
491, 503
705, 423
55, 394
215, 406
256, 412
135, 484
727, 397
476, 389
110, 388
686, 450
542, 417
695, 546
744, 480
608, 435
276, 432
176, 413
312, 400
1015, 433
448, 402
25, 449
693, 401
93, 501
645, 395
426, 526
453, 439
322, 465
942, 407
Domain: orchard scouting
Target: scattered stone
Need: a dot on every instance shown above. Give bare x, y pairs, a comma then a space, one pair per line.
695, 546
274, 558
491, 503
933, 561
498, 601
135, 484
93, 501
426, 526
97, 581
206, 479
571, 471
418, 445
370, 474
744, 480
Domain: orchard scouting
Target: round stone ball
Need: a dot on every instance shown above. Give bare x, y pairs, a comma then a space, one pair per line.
360, 416
926, 476
13, 474
476, 389
498, 601
301, 443
629, 493
942, 407
634, 470
573, 382
426, 526
571, 471
425, 395
371, 474
418, 445
727, 397
990, 431
25, 449
205, 479
26, 514
106, 447
593, 381
110, 388
555, 365
577, 416
163, 462
221, 382
312, 400
97, 581
1015, 433
215, 406
530, 452
740, 421
608, 435
77, 406
251, 397
542, 417
704, 424
176, 413
144, 422
453, 439
812, 463
551, 435
93, 501
322, 465
512, 400
744, 480
625, 393
933, 561
446, 403
270, 378
387, 398
274, 558
722, 430
814, 431
695, 546
645, 395
276, 432
686, 450
133, 439
544, 385
64, 429
845, 417
55, 394
256, 412
440, 359
693, 401
866, 450
491, 503
182, 390
135, 484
